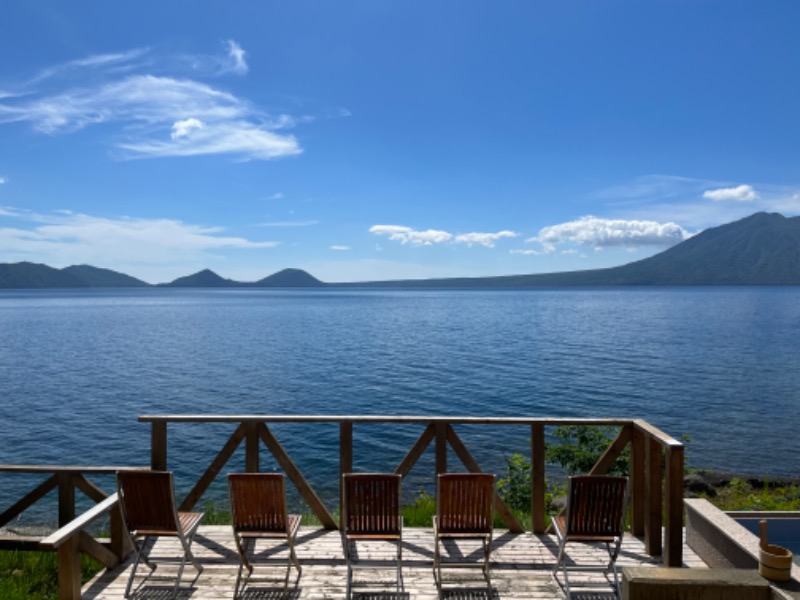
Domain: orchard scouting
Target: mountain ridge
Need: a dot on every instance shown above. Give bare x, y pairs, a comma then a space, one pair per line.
762, 249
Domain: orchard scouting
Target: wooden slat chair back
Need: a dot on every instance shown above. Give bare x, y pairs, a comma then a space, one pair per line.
258, 511
371, 512
464, 510
147, 503
596, 507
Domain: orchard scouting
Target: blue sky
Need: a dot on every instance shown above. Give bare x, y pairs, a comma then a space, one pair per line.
383, 140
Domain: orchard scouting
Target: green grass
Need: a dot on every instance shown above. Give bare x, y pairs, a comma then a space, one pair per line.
34, 575
740, 495
420, 513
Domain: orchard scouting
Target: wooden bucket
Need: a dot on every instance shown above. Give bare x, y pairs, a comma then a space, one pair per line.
774, 562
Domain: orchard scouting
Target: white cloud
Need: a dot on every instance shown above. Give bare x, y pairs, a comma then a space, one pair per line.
236, 63
66, 238
183, 128
742, 193
526, 252
3, 180
599, 233
340, 248
158, 115
275, 196
407, 235
484, 239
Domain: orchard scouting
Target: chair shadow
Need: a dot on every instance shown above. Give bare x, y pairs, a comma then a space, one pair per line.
464, 593
256, 593
381, 595
160, 592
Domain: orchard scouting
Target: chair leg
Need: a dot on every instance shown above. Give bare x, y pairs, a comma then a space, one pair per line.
348, 560
186, 542
561, 562
487, 569
140, 556
293, 558
399, 566
612, 564
437, 562
178, 577
242, 546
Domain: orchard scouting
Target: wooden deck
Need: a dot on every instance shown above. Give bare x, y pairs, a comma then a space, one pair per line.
521, 568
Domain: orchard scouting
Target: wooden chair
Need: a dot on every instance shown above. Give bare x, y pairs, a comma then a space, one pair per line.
464, 511
147, 503
258, 511
595, 513
371, 512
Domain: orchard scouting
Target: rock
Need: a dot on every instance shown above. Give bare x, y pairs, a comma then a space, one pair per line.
696, 484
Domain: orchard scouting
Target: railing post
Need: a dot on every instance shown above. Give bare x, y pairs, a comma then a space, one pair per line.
638, 483
441, 448
673, 527
66, 499
252, 444
158, 446
538, 490
345, 455
69, 570
653, 502
121, 544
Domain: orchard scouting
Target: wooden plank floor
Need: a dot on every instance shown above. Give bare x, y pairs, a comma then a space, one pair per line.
521, 568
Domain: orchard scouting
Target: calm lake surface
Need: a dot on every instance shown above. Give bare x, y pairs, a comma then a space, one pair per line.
77, 368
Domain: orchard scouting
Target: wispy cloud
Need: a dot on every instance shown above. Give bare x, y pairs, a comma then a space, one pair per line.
694, 202
3, 180
115, 62
236, 62
67, 238
156, 115
275, 196
288, 224
340, 248
600, 233
741, 193
429, 237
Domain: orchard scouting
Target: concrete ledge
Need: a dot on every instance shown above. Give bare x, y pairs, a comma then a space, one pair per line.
661, 583
716, 538
722, 543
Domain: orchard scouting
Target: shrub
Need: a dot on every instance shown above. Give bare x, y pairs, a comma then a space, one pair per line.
580, 447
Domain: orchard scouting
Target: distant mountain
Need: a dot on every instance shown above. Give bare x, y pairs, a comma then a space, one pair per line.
32, 275
289, 278
286, 278
762, 249
205, 279
96, 277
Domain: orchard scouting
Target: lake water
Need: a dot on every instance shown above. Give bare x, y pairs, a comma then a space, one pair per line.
77, 368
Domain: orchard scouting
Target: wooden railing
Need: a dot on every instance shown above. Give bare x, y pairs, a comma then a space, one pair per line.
71, 538
657, 463
656, 479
